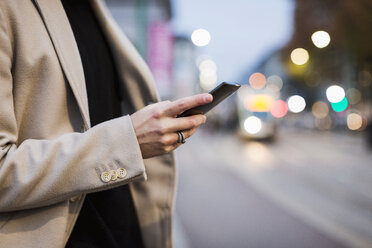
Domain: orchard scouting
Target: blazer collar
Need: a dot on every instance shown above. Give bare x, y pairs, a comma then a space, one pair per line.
133, 71
60, 32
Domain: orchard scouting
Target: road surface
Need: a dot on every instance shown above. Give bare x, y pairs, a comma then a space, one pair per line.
306, 189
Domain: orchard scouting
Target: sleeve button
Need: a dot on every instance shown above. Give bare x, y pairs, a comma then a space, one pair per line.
121, 172
106, 177
113, 174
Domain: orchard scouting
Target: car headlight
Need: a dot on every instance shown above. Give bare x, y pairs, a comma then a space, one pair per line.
252, 125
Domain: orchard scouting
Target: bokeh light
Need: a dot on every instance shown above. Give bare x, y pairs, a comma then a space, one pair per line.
208, 74
208, 81
364, 78
296, 104
257, 80
252, 125
354, 121
275, 80
320, 109
279, 109
200, 37
335, 93
258, 103
244, 92
353, 95
320, 39
273, 89
340, 106
201, 58
323, 123
207, 64
299, 56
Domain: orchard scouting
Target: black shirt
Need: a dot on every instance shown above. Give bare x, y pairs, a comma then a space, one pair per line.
107, 218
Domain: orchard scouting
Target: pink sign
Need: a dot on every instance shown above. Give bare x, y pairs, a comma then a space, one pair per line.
160, 54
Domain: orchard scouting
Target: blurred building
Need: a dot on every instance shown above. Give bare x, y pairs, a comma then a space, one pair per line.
147, 24
185, 71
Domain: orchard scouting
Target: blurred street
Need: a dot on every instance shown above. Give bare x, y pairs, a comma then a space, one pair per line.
305, 68
305, 189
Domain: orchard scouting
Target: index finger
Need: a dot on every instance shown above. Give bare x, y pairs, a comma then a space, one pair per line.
181, 105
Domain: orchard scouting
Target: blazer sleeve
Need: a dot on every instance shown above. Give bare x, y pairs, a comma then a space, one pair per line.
38, 173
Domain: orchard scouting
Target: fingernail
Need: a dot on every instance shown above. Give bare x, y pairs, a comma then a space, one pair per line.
207, 98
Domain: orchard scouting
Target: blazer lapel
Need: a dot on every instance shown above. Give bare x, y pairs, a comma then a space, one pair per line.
58, 26
137, 80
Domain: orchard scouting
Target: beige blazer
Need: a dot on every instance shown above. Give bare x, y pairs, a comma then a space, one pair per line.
49, 156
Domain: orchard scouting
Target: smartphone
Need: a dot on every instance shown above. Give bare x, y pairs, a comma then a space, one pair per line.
220, 93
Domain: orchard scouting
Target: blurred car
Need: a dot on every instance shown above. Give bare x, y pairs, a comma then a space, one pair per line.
255, 119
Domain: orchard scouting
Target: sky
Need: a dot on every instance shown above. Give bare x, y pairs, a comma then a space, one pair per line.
243, 32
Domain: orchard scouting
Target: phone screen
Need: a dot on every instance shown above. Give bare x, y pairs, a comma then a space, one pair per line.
220, 93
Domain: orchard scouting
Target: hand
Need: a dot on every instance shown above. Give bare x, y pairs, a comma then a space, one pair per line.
156, 125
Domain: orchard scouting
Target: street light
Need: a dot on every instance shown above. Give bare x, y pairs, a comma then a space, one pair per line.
335, 94
252, 125
279, 109
340, 106
208, 74
207, 65
208, 81
354, 121
320, 39
296, 104
200, 37
353, 95
320, 109
257, 80
299, 56
275, 80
